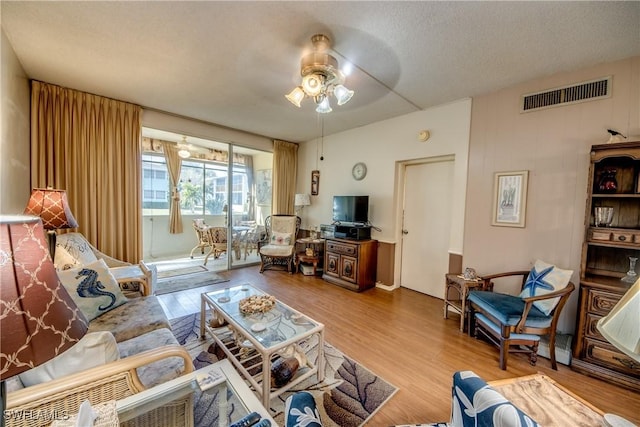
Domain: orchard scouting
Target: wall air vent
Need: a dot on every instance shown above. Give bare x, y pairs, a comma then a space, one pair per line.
581, 92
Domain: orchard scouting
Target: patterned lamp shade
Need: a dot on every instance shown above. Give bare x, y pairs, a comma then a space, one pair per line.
39, 318
52, 207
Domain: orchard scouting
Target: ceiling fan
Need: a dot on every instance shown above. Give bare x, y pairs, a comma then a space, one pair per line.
321, 78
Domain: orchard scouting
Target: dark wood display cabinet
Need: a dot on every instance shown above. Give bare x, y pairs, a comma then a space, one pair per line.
611, 241
351, 263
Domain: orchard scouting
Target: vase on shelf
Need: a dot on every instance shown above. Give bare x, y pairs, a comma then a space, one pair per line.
608, 182
603, 215
631, 276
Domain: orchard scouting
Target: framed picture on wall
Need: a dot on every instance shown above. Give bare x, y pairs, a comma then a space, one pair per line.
263, 187
510, 198
315, 182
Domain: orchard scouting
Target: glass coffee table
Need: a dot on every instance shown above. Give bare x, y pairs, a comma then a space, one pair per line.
253, 342
171, 404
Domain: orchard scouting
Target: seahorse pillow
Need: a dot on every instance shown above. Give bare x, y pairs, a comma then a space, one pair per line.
93, 288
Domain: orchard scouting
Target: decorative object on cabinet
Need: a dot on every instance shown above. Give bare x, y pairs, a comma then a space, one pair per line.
315, 182
510, 199
351, 263
608, 182
603, 216
631, 275
605, 261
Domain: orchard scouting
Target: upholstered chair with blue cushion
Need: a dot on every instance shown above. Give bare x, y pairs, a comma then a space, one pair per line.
278, 249
515, 323
301, 411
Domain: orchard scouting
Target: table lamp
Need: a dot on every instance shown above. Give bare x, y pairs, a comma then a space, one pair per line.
39, 318
53, 208
621, 327
300, 201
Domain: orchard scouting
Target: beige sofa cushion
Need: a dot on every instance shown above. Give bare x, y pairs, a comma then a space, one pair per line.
157, 372
136, 317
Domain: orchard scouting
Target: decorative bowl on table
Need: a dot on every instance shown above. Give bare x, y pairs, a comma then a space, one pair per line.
257, 304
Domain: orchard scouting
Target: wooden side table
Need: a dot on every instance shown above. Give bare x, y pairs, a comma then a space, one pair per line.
318, 253
456, 289
307, 259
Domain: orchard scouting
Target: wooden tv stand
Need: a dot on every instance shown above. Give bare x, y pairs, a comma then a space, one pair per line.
351, 263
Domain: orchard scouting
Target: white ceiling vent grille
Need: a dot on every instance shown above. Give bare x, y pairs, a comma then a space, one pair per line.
581, 92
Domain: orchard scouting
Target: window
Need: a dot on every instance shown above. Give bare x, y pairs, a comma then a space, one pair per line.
202, 186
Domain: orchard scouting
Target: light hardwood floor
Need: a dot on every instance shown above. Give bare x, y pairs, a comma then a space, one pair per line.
403, 337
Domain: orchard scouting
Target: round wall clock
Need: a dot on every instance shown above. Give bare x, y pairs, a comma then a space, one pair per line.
359, 171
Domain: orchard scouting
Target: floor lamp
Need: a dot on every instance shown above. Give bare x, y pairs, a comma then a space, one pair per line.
39, 318
53, 208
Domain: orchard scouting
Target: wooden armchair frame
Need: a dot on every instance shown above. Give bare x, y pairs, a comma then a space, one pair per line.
502, 335
112, 381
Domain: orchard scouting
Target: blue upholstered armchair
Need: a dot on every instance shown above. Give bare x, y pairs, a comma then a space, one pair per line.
473, 404
515, 323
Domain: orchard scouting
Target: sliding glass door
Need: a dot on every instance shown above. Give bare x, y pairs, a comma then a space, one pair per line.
218, 186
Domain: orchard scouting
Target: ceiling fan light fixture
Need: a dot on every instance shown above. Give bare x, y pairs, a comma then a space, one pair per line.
312, 84
342, 94
321, 77
183, 149
324, 106
296, 96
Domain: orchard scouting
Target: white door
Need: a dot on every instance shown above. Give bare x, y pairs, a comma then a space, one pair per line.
426, 226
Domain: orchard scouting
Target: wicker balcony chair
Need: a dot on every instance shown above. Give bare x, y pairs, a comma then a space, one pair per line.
203, 237
277, 250
217, 237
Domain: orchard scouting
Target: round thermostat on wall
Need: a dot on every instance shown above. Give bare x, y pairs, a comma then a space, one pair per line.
359, 171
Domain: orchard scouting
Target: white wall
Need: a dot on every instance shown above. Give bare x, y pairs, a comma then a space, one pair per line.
15, 177
381, 145
553, 145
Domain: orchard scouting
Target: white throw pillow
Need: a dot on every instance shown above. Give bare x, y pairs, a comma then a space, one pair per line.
93, 288
94, 349
545, 278
72, 250
282, 239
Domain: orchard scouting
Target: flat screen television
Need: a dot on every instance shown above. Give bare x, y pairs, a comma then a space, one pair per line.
351, 209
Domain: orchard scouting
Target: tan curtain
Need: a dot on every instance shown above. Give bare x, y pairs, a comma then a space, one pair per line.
174, 165
90, 146
285, 165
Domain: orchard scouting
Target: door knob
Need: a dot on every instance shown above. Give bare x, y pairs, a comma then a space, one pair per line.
405, 231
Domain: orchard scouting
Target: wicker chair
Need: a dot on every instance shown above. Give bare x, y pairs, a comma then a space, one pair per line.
217, 238
203, 237
113, 381
277, 250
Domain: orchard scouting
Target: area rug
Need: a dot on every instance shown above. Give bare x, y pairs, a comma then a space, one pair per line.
182, 271
187, 281
348, 397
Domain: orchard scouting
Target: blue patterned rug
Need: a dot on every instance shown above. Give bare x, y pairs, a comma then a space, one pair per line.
348, 397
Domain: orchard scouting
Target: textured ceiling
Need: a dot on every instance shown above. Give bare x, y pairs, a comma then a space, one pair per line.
231, 63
